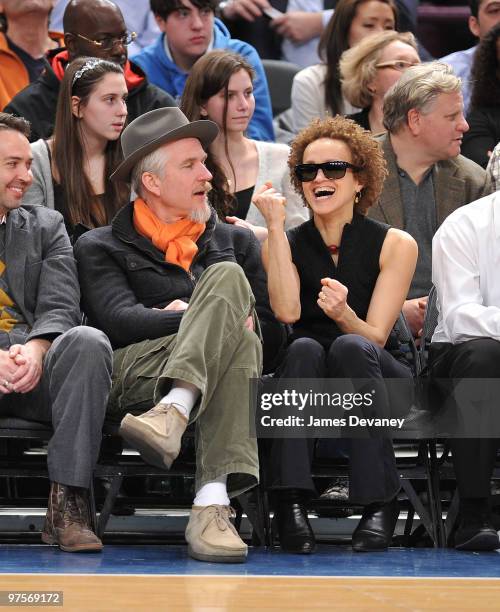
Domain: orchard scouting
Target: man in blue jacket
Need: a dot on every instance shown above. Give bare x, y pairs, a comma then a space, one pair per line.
189, 30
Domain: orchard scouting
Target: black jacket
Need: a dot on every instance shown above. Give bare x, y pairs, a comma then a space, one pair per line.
483, 135
361, 118
123, 276
38, 101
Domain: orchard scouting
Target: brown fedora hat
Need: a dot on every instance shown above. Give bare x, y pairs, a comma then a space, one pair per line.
155, 128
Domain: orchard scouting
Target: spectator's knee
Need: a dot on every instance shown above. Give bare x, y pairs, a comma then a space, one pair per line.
226, 269
306, 348
89, 340
228, 278
350, 347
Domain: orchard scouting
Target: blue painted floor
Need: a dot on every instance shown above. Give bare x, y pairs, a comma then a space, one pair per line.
328, 561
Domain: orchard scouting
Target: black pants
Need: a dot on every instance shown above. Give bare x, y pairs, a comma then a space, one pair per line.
473, 459
372, 469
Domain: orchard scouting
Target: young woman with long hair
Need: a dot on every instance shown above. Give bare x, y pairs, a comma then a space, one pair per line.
71, 170
220, 88
316, 91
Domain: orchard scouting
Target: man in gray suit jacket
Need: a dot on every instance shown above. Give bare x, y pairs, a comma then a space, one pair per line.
427, 176
51, 369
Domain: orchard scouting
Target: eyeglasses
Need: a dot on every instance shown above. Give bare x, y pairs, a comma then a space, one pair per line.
109, 42
332, 170
400, 65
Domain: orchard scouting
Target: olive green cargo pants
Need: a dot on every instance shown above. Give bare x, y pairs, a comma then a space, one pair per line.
214, 351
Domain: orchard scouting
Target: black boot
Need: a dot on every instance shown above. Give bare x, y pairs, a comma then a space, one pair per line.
290, 518
375, 529
475, 530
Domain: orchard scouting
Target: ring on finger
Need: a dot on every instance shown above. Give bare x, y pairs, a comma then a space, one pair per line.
6, 383
322, 297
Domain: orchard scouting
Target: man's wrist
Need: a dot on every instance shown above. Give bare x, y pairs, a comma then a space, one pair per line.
41, 344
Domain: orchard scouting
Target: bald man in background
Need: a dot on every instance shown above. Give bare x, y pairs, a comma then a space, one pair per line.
136, 13
91, 28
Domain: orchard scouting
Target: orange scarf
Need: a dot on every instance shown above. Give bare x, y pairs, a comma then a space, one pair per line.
177, 240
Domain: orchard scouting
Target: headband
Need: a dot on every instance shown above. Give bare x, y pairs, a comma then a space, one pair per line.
89, 65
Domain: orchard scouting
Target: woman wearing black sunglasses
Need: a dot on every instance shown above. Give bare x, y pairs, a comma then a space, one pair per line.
340, 280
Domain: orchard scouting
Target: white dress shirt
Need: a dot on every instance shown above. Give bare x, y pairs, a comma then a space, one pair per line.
493, 168
466, 272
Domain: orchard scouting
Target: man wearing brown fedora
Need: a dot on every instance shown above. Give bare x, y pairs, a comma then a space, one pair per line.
174, 290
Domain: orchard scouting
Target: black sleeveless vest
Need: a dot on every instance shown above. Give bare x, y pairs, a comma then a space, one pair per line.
357, 269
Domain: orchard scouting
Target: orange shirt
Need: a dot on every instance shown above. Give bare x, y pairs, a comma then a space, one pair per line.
13, 73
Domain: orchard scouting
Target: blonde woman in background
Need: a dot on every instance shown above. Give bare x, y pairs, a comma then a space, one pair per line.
316, 90
370, 68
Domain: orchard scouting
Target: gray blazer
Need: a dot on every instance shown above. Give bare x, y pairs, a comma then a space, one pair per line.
457, 181
42, 187
41, 270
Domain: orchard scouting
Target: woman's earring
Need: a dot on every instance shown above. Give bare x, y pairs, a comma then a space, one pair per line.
357, 197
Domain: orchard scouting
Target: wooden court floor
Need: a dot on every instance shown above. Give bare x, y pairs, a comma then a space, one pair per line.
109, 593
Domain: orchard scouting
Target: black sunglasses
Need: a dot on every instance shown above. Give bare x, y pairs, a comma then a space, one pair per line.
331, 170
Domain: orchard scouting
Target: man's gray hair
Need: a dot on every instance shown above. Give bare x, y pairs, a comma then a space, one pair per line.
418, 88
153, 162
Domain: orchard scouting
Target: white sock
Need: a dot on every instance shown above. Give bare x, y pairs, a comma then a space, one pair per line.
184, 395
214, 492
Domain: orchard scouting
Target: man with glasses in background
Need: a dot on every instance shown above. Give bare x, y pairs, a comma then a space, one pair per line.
91, 28
138, 18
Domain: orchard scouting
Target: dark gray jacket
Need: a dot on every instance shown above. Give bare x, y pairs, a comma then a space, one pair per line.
41, 271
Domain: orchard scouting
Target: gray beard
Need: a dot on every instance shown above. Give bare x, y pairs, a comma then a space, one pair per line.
201, 215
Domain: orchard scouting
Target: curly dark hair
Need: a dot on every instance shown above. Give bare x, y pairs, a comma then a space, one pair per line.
486, 71
365, 150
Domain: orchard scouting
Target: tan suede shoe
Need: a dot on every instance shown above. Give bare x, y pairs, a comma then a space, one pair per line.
156, 434
212, 537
